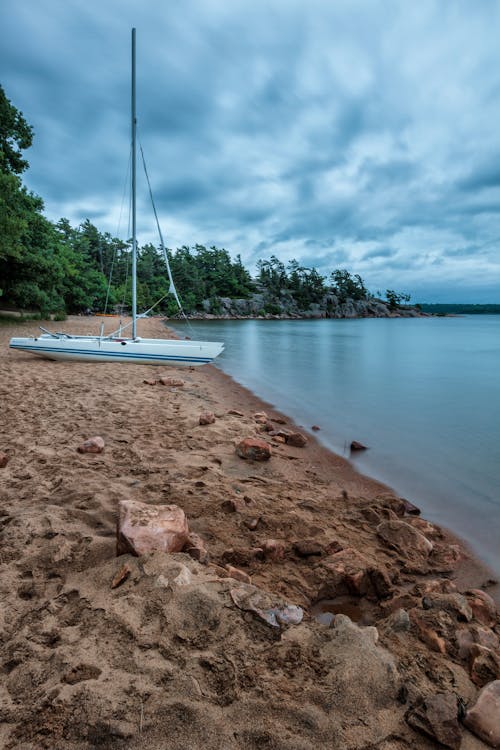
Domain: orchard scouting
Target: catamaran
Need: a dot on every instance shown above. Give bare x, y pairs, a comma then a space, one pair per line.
114, 347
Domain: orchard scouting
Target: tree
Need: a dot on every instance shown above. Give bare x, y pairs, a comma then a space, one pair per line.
15, 136
394, 298
347, 287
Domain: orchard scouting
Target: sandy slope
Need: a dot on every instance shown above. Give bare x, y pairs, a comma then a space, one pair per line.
156, 664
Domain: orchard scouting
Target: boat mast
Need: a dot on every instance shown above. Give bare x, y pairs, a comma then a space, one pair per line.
134, 229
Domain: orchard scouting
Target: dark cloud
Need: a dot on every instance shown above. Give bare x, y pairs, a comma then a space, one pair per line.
313, 131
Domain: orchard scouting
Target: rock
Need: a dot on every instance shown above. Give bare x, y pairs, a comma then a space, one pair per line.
242, 556
456, 604
427, 634
207, 417
238, 575
467, 637
483, 607
195, 548
254, 449
308, 548
356, 446
269, 427
121, 576
484, 665
145, 528
407, 540
236, 413
484, 717
4, 459
92, 445
315, 428
273, 549
349, 572
266, 607
437, 717
150, 381
172, 382
261, 417
445, 557
409, 508
297, 440
252, 523
399, 621
232, 506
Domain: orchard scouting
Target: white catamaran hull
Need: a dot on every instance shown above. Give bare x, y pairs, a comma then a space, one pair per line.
137, 351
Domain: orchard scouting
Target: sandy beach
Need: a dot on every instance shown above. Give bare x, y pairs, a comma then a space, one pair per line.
173, 656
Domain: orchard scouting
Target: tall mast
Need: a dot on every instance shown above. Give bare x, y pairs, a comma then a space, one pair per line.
134, 228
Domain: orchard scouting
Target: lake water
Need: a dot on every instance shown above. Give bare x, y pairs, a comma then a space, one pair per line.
422, 393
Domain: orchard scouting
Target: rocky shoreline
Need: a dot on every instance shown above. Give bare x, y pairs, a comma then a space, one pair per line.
303, 605
285, 307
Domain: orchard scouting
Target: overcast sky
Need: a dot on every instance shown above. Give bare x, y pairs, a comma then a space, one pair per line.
352, 134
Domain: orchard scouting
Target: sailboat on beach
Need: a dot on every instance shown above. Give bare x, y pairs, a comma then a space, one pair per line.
114, 347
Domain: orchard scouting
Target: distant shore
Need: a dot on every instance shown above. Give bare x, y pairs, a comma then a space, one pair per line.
303, 525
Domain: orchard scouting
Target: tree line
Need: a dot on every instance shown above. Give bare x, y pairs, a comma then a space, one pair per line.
56, 269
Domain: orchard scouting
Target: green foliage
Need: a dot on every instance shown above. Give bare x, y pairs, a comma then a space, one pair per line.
15, 136
345, 286
458, 309
395, 299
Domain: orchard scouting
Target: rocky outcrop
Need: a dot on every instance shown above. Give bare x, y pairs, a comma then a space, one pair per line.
263, 305
484, 717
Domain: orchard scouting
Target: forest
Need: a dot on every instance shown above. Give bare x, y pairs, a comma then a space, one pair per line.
53, 269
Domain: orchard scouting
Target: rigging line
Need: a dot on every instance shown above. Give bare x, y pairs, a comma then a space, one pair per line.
118, 229
172, 289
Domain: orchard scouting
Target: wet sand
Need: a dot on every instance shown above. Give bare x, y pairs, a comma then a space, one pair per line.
90, 666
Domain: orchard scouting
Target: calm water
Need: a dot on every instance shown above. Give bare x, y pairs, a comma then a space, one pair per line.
423, 394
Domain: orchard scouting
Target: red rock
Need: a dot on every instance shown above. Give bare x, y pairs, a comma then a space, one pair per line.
467, 637
273, 549
92, 445
315, 428
4, 459
195, 548
173, 382
254, 449
238, 575
121, 576
279, 439
297, 439
483, 607
349, 572
207, 417
437, 717
484, 717
484, 665
145, 528
427, 634
405, 538
355, 446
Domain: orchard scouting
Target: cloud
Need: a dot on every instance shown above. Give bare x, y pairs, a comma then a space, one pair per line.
313, 131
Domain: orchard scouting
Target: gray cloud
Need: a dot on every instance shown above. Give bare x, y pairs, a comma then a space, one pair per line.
355, 134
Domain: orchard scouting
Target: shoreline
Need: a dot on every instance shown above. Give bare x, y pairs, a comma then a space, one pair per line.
304, 525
